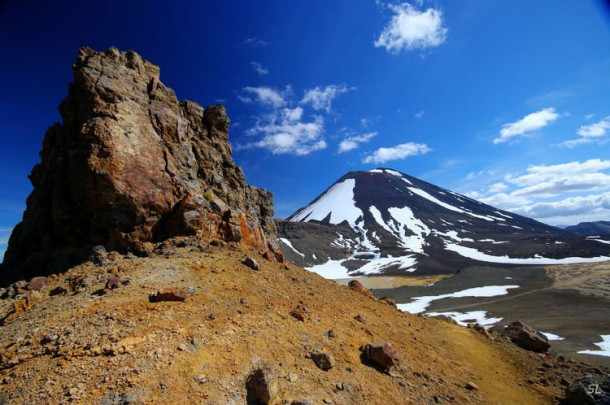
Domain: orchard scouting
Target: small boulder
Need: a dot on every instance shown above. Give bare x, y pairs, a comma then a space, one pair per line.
380, 355
262, 385
388, 301
324, 361
169, 294
590, 389
250, 262
527, 337
37, 283
298, 314
114, 283
357, 286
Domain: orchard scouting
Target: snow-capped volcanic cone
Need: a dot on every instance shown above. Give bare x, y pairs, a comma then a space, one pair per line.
384, 221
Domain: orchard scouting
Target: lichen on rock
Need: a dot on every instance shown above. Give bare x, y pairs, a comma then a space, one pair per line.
131, 164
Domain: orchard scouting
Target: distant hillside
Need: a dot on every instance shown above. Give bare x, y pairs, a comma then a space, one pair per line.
399, 224
590, 228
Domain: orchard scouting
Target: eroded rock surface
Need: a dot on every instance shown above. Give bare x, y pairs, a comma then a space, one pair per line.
129, 165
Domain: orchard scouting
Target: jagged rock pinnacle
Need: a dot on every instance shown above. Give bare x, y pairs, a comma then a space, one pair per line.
128, 166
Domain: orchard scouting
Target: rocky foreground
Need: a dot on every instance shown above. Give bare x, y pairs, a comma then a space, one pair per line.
196, 323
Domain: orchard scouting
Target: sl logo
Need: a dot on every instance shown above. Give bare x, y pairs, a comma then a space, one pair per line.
594, 389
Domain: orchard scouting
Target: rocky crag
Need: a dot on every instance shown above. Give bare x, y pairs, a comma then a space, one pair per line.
129, 166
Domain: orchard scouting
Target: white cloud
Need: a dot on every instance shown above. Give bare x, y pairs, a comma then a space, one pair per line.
265, 95
593, 133
497, 188
543, 173
419, 114
529, 123
567, 207
321, 98
292, 114
258, 68
595, 130
353, 142
398, 152
411, 29
283, 134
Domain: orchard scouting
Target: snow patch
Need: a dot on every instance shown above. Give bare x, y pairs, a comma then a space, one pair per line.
604, 346
287, 243
420, 304
552, 336
464, 318
472, 253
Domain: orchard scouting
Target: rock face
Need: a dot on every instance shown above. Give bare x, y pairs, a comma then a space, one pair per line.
129, 165
527, 337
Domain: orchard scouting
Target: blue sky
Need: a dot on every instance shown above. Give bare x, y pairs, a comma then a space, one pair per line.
505, 101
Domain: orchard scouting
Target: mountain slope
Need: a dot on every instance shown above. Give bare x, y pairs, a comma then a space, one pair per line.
590, 228
87, 347
404, 224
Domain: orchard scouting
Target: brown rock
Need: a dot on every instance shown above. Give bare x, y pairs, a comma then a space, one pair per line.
130, 165
169, 294
262, 386
527, 337
250, 262
114, 283
297, 314
388, 301
324, 361
37, 283
381, 355
357, 286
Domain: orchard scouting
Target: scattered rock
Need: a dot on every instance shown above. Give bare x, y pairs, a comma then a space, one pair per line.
169, 294
250, 262
380, 355
527, 337
388, 301
331, 334
357, 286
114, 283
262, 385
593, 390
297, 314
37, 283
324, 361
292, 377
479, 328
471, 386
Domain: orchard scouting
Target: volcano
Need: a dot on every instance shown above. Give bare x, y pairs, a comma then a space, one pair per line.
386, 222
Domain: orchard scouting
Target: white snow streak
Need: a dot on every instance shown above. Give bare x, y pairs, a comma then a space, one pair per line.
287, 243
419, 304
472, 253
464, 318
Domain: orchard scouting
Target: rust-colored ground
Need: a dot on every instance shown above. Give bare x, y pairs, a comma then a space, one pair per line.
90, 349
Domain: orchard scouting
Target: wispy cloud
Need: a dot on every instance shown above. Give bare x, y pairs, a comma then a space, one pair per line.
411, 29
353, 142
265, 95
260, 69
321, 98
530, 123
547, 191
593, 133
419, 114
398, 152
255, 41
